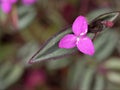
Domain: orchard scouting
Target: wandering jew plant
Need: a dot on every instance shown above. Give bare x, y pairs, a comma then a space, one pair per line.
79, 38
64, 42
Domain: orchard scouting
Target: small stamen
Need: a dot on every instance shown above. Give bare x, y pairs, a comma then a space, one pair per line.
78, 38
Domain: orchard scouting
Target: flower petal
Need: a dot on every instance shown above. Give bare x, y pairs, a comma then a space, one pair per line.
86, 46
80, 26
6, 7
68, 41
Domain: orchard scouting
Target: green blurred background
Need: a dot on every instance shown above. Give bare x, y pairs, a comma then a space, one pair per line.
26, 28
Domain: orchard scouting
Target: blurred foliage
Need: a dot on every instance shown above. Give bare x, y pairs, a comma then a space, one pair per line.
25, 30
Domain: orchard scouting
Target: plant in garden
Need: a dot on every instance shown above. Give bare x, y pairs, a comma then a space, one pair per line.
54, 47
79, 38
80, 71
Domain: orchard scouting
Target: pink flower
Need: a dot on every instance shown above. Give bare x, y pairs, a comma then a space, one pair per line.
6, 5
28, 2
79, 38
9, 1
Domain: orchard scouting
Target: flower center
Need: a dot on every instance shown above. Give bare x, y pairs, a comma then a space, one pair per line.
77, 40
